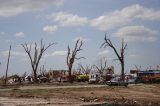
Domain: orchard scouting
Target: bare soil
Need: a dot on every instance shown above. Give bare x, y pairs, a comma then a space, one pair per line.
81, 95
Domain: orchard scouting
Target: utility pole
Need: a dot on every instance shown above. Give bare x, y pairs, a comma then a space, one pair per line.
7, 65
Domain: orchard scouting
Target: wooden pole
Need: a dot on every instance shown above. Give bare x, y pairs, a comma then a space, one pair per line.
7, 65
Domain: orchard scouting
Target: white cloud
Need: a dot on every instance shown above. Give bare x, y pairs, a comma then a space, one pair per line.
80, 38
137, 33
15, 7
108, 22
112, 19
122, 17
149, 14
103, 52
50, 29
2, 33
19, 34
59, 53
13, 53
66, 19
133, 56
56, 53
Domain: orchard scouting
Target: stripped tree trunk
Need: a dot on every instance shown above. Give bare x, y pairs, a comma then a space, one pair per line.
71, 57
7, 66
38, 52
108, 43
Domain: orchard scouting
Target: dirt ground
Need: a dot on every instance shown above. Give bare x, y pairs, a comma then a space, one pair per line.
81, 95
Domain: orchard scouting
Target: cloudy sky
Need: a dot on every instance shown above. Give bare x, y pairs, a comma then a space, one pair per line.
65, 21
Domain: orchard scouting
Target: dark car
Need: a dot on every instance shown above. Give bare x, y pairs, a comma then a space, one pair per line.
117, 82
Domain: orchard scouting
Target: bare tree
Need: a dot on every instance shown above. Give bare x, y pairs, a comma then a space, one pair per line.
71, 57
38, 52
103, 65
107, 42
5, 82
84, 70
137, 68
23, 76
42, 70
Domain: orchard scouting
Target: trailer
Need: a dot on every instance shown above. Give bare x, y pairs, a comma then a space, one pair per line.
150, 76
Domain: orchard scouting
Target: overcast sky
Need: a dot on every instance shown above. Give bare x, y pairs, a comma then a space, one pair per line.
65, 21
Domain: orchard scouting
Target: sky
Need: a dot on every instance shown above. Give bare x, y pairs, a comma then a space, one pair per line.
65, 21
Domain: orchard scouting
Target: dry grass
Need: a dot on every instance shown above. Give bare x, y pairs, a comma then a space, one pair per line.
140, 94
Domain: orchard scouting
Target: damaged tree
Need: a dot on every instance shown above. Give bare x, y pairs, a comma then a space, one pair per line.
71, 57
5, 81
102, 67
84, 70
107, 42
38, 52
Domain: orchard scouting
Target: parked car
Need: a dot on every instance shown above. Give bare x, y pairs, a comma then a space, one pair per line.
43, 79
116, 81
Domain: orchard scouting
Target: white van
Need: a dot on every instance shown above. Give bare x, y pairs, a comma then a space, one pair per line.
94, 77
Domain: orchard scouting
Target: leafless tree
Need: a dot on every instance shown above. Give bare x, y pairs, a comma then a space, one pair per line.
137, 68
42, 70
23, 76
107, 42
38, 52
5, 81
84, 70
71, 57
102, 66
